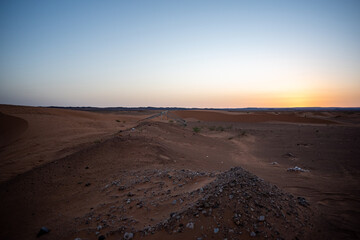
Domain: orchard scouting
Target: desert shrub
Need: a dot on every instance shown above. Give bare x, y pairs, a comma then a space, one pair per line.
196, 129
117, 120
171, 121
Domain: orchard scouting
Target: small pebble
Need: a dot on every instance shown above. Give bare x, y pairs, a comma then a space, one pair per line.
101, 237
43, 231
128, 235
190, 225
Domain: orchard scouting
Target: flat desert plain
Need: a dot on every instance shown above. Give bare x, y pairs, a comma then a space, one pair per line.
223, 175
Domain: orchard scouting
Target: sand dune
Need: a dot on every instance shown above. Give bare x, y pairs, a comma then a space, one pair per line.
45, 134
11, 128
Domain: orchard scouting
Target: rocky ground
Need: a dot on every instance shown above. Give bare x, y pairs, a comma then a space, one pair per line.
233, 205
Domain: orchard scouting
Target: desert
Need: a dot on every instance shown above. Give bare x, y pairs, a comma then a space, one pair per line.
176, 120
223, 175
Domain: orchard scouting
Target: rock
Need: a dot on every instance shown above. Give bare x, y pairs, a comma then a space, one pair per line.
262, 218
77, 239
252, 234
87, 184
43, 230
99, 227
173, 202
216, 230
302, 201
101, 237
190, 225
297, 169
128, 235
236, 219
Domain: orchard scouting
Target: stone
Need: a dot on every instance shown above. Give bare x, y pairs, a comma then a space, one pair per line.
216, 230
43, 230
128, 235
101, 237
252, 234
302, 201
190, 225
262, 218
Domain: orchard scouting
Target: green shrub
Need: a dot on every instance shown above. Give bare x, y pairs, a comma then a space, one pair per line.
196, 129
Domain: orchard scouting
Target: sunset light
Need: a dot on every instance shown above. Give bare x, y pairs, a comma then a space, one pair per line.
185, 53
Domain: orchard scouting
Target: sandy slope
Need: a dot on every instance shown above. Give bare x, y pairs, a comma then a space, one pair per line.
40, 135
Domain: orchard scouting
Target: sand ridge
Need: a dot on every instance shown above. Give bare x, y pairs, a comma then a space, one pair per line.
45, 134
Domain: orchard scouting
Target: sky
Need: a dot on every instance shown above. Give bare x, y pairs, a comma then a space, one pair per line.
180, 53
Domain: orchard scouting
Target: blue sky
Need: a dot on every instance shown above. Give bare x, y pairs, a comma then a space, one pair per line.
180, 53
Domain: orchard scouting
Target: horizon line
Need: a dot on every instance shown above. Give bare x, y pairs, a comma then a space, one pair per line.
183, 108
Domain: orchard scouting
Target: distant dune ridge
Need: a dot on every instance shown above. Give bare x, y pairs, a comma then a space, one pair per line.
82, 172
11, 128
217, 116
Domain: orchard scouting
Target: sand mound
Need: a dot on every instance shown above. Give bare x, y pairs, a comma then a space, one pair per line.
235, 203
223, 116
11, 128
